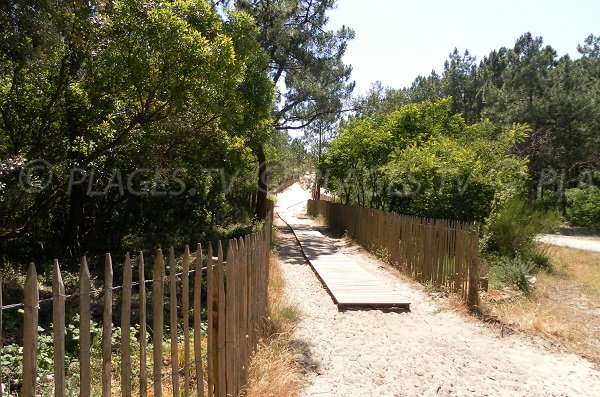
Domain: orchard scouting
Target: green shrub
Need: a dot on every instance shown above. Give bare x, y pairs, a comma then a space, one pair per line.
583, 207
512, 271
512, 230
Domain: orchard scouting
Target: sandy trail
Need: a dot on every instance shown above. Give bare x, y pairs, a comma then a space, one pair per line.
426, 352
582, 243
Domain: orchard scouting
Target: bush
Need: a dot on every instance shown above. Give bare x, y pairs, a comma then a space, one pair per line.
583, 207
512, 271
511, 231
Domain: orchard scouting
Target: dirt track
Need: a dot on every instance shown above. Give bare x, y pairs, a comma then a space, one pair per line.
427, 352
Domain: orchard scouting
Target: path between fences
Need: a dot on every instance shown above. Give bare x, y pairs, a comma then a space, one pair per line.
427, 351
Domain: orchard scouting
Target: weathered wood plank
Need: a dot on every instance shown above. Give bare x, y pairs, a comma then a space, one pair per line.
158, 320
107, 328
143, 332
222, 368
85, 341
173, 322
210, 353
125, 328
30, 332
185, 288
58, 327
198, 322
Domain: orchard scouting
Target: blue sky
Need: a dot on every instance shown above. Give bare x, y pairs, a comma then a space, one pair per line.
397, 40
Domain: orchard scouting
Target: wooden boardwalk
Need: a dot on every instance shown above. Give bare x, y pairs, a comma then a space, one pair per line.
348, 283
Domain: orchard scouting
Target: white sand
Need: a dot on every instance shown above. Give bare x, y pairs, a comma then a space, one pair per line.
426, 352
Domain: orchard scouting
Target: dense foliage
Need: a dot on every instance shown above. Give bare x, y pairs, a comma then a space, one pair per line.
146, 112
584, 206
422, 160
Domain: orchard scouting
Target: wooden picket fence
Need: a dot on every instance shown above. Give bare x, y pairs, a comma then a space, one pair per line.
236, 301
442, 252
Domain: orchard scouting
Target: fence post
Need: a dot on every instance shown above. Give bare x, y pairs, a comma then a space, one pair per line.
85, 340
126, 328
173, 322
143, 339
222, 387
157, 320
198, 322
58, 324
107, 328
30, 326
230, 323
185, 287
473, 298
209, 310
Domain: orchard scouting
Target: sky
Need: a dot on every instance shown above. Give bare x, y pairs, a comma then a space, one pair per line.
397, 40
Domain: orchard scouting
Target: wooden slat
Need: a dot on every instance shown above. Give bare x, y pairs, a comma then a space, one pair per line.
198, 322
30, 329
230, 322
85, 341
173, 322
222, 368
210, 353
158, 320
107, 328
58, 326
185, 287
143, 337
126, 328
242, 330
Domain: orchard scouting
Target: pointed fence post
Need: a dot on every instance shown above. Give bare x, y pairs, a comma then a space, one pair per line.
58, 324
85, 340
107, 329
157, 320
185, 286
30, 330
143, 339
126, 329
173, 322
198, 322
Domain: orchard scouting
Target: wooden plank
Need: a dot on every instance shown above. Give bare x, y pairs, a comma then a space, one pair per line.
30, 330
242, 312
222, 366
107, 329
473, 297
173, 322
157, 320
58, 327
126, 328
185, 288
198, 323
143, 338
346, 281
210, 353
85, 341
230, 323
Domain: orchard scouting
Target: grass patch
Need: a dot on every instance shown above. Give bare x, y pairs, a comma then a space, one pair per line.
274, 370
564, 305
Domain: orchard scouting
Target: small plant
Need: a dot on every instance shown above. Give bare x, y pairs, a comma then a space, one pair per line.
383, 254
515, 271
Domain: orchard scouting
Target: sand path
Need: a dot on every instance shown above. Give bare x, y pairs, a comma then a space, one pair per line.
582, 243
427, 352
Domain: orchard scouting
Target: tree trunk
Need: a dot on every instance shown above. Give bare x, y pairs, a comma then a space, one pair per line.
261, 195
